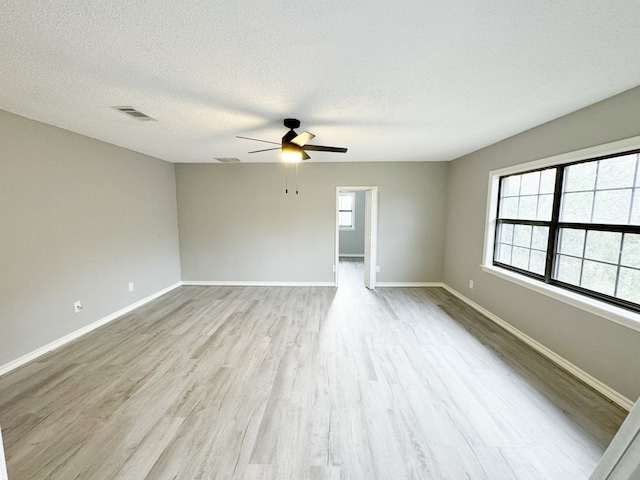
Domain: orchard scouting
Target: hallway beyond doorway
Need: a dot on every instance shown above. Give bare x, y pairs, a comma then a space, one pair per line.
351, 271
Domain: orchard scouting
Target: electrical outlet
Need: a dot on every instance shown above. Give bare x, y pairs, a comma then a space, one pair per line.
77, 307
334, 269
378, 268
131, 286
471, 284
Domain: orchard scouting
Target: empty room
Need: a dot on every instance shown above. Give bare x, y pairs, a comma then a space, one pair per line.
319, 240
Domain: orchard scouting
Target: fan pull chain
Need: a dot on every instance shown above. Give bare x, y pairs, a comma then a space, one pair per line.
296, 179
286, 178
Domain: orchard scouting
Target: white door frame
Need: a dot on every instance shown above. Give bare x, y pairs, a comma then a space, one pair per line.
3, 464
372, 240
621, 460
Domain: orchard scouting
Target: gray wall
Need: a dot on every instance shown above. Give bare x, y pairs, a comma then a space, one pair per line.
79, 219
606, 350
236, 223
352, 241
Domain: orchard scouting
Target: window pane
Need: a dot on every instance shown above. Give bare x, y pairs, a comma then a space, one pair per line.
603, 246
612, 206
571, 242
511, 186
631, 250
530, 183
345, 202
545, 207
537, 262
520, 258
599, 277
528, 207
345, 219
616, 172
576, 207
548, 180
504, 253
522, 235
540, 238
509, 207
568, 269
506, 233
629, 285
580, 177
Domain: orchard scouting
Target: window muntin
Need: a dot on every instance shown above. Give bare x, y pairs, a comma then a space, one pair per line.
576, 226
602, 261
602, 191
523, 246
524, 215
528, 196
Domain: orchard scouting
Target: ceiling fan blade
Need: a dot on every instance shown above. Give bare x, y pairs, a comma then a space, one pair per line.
257, 140
320, 148
303, 138
265, 150
305, 156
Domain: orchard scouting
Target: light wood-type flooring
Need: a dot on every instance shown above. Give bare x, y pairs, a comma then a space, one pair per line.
301, 383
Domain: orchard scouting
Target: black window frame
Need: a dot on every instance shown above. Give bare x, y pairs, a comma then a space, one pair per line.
555, 225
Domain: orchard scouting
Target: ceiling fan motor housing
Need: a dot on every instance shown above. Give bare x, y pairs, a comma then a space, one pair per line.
292, 123
296, 145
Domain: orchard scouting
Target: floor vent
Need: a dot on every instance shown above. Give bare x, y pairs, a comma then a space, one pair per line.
228, 160
137, 114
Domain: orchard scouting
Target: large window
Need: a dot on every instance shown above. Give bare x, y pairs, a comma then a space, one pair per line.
575, 226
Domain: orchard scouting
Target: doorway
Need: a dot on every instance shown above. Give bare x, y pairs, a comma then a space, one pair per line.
370, 234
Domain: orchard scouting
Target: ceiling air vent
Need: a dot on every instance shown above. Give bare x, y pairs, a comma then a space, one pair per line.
138, 115
228, 160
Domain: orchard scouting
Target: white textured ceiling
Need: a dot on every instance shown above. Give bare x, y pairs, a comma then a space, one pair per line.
410, 80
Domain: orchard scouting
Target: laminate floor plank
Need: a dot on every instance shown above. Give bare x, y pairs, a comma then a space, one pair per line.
140, 458
301, 383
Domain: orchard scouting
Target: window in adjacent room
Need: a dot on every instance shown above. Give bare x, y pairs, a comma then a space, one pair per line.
346, 210
575, 226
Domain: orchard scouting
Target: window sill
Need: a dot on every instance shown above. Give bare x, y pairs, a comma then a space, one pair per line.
610, 312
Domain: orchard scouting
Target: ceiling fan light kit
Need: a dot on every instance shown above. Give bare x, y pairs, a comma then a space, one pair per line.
291, 153
293, 147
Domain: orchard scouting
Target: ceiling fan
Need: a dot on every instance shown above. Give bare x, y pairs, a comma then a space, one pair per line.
294, 147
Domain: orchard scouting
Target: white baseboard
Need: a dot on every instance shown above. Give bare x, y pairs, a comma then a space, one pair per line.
577, 372
409, 284
82, 331
357, 255
249, 283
